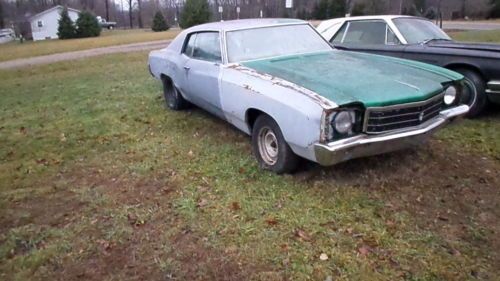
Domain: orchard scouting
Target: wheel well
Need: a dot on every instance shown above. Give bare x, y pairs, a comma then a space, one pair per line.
251, 116
457, 66
164, 76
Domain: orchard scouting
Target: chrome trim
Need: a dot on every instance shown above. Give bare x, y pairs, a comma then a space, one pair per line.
493, 87
397, 106
367, 145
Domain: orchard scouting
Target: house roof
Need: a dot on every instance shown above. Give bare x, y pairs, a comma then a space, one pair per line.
53, 9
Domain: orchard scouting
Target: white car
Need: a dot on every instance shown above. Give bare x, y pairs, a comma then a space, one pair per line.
281, 82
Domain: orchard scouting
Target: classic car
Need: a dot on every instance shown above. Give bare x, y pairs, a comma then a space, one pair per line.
420, 39
279, 81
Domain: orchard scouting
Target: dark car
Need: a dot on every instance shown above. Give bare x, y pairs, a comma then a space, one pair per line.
420, 39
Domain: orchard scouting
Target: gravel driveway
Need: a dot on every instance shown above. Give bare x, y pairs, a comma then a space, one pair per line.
83, 54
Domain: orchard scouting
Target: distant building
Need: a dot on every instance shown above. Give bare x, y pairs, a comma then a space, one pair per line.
44, 25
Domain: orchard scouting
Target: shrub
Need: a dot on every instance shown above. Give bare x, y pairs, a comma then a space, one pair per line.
87, 25
358, 10
194, 12
326, 9
495, 9
66, 28
159, 23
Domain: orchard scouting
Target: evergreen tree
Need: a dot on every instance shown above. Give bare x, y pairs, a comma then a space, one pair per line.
336, 8
320, 10
66, 29
194, 12
358, 10
327, 9
87, 25
495, 10
159, 23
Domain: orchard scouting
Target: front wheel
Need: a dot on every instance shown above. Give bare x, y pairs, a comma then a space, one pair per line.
270, 148
474, 92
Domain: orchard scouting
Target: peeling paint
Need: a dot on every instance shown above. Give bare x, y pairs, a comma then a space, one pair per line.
326, 104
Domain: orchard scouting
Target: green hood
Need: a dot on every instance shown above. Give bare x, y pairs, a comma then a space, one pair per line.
345, 77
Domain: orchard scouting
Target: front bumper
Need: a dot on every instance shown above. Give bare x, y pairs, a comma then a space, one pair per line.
368, 145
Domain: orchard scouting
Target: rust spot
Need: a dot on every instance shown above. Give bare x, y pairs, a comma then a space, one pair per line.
249, 88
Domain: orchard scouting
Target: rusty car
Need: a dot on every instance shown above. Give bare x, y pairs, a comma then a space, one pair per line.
297, 97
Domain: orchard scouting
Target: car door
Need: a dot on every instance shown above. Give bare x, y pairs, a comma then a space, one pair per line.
371, 36
202, 71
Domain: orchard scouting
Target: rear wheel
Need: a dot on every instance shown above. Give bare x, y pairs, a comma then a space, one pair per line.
474, 92
270, 148
173, 98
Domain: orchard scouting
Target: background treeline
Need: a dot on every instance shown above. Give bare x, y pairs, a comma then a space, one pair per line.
140, 13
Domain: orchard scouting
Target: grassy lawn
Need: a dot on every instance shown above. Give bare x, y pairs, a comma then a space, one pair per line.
491, 36
15, 50
99, 182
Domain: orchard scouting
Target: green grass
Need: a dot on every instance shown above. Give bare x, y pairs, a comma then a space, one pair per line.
99, 181
16, 50
491, 36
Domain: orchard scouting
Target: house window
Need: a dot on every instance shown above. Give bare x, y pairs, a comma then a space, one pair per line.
40, 23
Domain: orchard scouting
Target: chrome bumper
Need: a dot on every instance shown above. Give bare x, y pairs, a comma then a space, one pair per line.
493, 91
368, 145
493, 87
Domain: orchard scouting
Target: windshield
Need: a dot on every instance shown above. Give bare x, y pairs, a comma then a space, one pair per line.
267, 42
418, 30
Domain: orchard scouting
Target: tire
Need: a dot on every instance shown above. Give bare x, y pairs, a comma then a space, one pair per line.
270, 148
173, 98
476, 86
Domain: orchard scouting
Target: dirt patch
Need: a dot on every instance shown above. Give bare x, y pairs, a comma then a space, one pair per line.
54, 210
450, 192
159, 247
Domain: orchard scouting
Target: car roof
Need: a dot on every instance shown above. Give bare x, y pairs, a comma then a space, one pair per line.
244, 24
328, 23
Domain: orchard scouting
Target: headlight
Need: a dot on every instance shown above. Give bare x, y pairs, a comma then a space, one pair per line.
450, 95
344, 121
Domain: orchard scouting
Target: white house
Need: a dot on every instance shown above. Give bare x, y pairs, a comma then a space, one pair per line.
44, 25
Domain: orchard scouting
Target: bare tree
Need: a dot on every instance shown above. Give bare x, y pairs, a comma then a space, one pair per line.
130, 12
139, 13
2, 22
107, 9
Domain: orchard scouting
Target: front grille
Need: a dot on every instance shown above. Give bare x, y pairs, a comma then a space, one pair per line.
383, 119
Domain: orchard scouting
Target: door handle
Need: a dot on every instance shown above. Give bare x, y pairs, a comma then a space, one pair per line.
187, 67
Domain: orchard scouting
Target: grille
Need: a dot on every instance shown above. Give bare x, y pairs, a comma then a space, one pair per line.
384, 119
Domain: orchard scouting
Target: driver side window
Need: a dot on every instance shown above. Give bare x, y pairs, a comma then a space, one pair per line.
373, 32
204, 46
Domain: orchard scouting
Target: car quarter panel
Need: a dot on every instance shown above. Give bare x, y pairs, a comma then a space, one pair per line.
169, 61
297, 111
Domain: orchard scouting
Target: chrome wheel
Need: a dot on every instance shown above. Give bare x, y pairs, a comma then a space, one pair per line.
470, 93
268, 146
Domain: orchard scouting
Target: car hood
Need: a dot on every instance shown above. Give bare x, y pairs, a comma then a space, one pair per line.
485, 47
347, 77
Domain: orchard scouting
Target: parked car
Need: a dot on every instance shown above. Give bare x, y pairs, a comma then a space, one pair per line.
420, 39
105, 24
279, 81
7, 35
